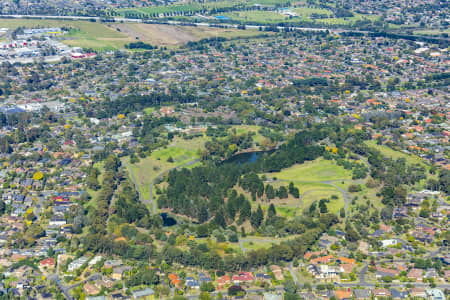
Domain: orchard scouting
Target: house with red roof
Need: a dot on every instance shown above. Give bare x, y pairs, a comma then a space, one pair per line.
222, 281
322, 260
243, 277
48, 263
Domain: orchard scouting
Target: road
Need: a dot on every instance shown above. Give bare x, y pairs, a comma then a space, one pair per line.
362, 275
65, 289
224, 293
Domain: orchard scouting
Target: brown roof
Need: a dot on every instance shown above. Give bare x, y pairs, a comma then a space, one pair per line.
415, 273
381, 292
321, 260
342, 294
347, 267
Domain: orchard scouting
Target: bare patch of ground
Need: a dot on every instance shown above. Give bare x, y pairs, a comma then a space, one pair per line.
156, 34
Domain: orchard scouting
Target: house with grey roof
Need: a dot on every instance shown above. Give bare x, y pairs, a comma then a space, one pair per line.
143, 294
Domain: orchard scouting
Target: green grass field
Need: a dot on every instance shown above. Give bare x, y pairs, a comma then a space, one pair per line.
179, 155
351, 20
255, 245
240, 129
311, 171
194, 144
309, 192
195, 7
366, 194
92, 193
306, 12
147, 169
333, 206
434, 32
257, 16
102, 37
389, 152
83, 34
150, 167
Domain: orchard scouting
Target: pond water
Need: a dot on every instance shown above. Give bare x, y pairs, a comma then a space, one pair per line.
167, 220
247, 157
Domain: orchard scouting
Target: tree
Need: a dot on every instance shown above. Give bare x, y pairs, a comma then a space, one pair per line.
202, 230
293, 190
386, 212
350, 233
219, 219
205, 296
270, 192
2, 207
246, 211
234, 290
207, 287
424, 213
257, 217
271, 212
323, 206
233, 238
444, 180
290, 286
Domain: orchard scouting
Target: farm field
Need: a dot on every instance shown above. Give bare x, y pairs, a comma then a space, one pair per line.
257, 16
313, 171
351, 20
195, 7
167, 35
98, 36
306, 12
432, 31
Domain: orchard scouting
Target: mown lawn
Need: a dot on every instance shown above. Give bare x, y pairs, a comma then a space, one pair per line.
305, 12
256, 245
311, 171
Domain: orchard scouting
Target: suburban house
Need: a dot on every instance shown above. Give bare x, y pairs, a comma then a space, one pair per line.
381, 293
146, 294
242, 277
361, 294
415, 274
48, 263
